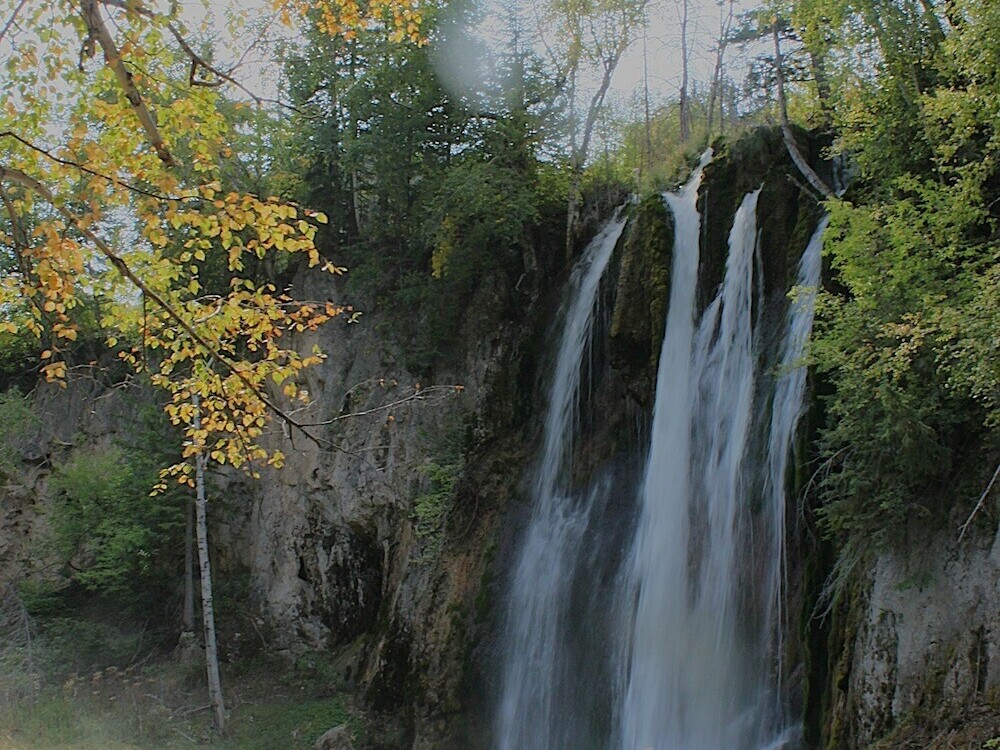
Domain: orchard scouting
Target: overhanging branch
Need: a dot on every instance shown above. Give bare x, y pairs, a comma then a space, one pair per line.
213, 350
90, 10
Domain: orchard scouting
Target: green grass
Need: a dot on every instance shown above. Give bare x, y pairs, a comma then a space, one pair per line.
156, 711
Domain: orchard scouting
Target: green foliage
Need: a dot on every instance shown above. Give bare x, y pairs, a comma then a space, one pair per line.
107, 525
436, 496
18, 420
654, 156
18, 359
437, 196
907, 335
430, 507
68, 646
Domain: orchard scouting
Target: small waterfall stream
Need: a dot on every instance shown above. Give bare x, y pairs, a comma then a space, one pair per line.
691, 656
538, 655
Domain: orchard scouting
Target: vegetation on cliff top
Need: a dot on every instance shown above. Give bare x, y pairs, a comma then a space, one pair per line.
907, 327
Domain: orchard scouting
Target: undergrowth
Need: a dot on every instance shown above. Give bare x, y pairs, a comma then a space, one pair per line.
164, 707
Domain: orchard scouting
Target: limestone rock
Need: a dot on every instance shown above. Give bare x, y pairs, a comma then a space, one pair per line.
338, 738
925, 652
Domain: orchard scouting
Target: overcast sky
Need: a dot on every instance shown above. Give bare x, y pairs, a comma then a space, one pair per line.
662, 44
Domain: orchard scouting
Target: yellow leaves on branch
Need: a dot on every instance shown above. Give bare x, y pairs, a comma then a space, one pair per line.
122, 207
402, 18
237, 223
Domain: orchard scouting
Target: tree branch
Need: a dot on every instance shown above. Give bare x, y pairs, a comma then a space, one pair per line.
418, 395
86, 170
197, 61
12, 19
98, 30
979, 505
213, 350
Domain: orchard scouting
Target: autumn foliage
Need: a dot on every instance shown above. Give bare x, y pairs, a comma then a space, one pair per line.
112, 193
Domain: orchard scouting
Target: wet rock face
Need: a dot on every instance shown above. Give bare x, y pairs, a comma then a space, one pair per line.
643, 289
926, 655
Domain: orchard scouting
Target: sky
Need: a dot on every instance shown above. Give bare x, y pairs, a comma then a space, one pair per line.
663, 46
662, 42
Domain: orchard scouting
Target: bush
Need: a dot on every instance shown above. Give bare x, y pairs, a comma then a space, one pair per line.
104, 522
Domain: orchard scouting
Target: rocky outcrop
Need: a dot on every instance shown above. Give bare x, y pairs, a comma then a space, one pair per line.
338, 738
373, 541
643, 288
921, 664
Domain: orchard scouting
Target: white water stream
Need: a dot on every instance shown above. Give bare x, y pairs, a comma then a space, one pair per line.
537, 656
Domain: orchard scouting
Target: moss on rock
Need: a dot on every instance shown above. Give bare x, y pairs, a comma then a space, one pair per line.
642, 297
786, 215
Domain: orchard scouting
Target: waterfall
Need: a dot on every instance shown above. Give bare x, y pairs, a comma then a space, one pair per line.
533, 713
786, 408
691, 659
687, 673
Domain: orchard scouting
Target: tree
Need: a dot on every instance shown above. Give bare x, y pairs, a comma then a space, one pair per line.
589, 39
685, 104
906, 331
115, 150
727, 10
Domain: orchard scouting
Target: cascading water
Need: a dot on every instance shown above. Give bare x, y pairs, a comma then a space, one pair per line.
786, 408
693, 662
687, 673
538, 657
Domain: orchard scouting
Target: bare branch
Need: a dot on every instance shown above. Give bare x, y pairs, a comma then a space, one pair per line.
12, 19
979, 505
420, 394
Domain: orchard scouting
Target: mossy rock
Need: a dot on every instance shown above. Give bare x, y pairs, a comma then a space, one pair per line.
786, 215
642, 297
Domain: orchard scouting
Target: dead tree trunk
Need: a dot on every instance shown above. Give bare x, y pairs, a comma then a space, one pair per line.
786, 129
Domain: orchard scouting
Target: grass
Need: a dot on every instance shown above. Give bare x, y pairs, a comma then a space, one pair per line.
159, 709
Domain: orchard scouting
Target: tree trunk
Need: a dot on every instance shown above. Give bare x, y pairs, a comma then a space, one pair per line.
188, 618
786, 128
207, 601
579, 157
646, 162
817, 61
725, 25
685, 104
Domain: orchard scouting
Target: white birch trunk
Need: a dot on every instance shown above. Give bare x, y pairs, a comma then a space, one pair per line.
207, 603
